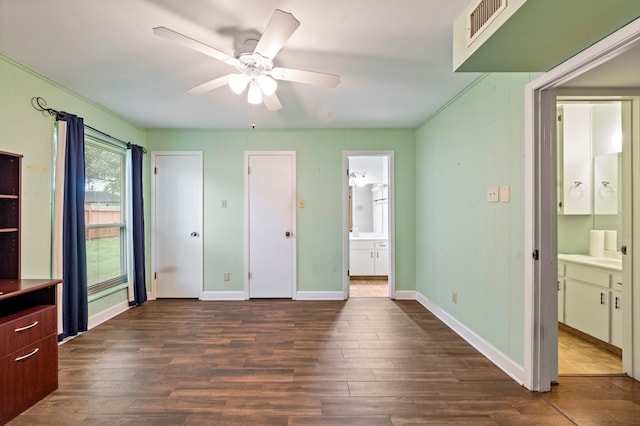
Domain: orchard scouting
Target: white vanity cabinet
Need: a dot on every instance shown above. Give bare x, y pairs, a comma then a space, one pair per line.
590, 299
368, 257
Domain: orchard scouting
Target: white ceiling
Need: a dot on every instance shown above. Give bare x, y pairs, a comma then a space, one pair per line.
394, 58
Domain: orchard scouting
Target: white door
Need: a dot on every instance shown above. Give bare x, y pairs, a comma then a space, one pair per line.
271, 224
177, 224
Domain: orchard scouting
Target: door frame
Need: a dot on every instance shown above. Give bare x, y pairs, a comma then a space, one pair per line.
540, 266
199, 207
294, 236
391, 281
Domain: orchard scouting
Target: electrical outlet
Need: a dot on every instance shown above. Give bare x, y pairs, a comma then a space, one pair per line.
493, 194
224, 204
454, 297
226, 276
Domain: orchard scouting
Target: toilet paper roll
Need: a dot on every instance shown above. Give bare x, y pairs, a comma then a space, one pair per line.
610, 240
596, 243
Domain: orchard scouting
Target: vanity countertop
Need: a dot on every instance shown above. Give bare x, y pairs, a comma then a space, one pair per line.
600, 262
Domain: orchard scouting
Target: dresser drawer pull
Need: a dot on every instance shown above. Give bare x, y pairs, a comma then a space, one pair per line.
26, 327
29, 355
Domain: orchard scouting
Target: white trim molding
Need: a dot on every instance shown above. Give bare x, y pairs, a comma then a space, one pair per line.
107, 314
406, 295
223, 295
319, 295
502, 361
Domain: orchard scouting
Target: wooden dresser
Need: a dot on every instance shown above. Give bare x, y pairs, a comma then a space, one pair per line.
28, 312
28, 344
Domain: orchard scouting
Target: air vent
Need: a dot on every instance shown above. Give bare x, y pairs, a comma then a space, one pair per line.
481, 16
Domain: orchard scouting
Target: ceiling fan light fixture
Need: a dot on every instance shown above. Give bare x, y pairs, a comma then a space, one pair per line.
238, 82
255, 95
267, 85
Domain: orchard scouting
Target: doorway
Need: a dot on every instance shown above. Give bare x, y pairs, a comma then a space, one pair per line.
599, 70
176, 188
270, 197
590, 133
368, 233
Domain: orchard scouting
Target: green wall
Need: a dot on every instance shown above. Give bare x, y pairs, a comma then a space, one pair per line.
465, 244
29, 132
319, 183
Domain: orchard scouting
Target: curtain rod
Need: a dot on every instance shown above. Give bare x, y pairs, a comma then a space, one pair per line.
41, 105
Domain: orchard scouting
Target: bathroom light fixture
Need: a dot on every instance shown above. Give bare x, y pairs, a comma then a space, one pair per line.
357, 178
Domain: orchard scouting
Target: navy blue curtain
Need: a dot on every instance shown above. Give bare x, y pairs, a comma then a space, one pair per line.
75, 306
139, 281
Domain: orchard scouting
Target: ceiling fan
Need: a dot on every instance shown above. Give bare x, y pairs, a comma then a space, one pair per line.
253, 61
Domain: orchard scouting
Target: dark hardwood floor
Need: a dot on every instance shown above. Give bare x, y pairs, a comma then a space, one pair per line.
368, 361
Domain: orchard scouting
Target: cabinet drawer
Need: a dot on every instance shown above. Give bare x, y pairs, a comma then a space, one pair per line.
382, 244
361, 244
587, 274
31, 326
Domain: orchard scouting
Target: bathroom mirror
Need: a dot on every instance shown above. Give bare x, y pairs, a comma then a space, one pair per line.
589, 152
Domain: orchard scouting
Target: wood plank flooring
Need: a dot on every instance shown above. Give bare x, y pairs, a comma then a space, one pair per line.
579, 356
368, 361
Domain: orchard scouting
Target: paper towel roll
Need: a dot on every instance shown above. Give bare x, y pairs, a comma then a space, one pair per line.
596, 243
610, 240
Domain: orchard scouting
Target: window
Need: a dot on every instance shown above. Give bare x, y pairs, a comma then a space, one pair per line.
104, 214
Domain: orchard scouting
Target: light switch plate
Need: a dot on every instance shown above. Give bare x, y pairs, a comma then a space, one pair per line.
493, 194
301, 204
505, 194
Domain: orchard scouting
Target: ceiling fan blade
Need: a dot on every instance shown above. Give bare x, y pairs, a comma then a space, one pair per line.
210, 85
278, 30
307, 77
186, 41
272, 102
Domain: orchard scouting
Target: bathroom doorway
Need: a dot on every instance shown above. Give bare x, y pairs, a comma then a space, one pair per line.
368, 224
590, 184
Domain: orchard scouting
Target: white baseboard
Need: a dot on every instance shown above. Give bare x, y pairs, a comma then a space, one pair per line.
406, 295
320, 295
107, 314
222, 295
502, 361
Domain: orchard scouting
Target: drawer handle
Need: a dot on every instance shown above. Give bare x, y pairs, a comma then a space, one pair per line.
26, 327
602, 298
29, 355
617, 302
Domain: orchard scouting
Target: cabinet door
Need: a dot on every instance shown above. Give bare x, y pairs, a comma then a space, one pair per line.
361, 262
576, 143
587, 309
381, 264
10, 389
616, 318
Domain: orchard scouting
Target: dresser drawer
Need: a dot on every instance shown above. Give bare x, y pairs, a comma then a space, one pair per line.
30, 326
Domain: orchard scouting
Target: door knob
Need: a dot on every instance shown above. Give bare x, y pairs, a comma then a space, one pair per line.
194, 234
287, 234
